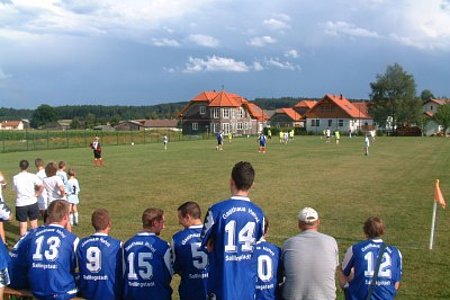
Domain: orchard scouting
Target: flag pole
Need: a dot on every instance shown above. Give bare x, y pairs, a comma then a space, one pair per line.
433, 222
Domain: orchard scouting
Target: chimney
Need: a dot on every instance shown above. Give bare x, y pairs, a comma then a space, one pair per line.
340, 96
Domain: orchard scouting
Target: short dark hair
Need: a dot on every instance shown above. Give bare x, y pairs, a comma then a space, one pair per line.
39, 162
57, 210
61, 164
50, 169
100, 219
190, 208
243, 175
23, 164
150, 216
374, 227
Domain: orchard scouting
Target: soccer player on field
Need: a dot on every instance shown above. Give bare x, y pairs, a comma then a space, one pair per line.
267, 256
72, 190
100, 261
148, 261
361, 260
190, 260
51, 256
230, 232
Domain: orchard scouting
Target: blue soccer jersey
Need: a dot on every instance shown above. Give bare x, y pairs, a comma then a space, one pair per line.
362, 257
100, 266
234, 226
18, 266
267, 257
52, 261
4, 256
148, 268
190, 261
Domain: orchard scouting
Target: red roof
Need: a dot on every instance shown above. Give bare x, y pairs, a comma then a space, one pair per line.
11, 123
290, 112
306, 103
205, 96
256, 112
356, 112
223, 99
165, 123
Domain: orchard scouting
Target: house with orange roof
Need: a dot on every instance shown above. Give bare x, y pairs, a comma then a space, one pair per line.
430, 107
338, 113
287, 117
211, 112
13, 125
303, 106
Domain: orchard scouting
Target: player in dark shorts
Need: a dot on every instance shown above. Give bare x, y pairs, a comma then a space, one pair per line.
96, 147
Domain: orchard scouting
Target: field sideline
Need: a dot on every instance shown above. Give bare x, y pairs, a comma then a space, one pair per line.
395, 182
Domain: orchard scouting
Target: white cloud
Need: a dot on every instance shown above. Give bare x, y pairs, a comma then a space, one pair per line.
276, 24
261, 41
215, 63
291, 53
275, 62
348, 29
165, 42
204, 40
257, 66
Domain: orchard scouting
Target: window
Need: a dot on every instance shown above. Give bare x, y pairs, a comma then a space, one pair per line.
239, 126
241, 113
226, 128
341, 123
330, 123
202, 110
216, 113
194, 126
317, 123
313, 123
226, 113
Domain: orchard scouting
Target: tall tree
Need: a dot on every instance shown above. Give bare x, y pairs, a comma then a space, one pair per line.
426, 95
42, 115
394, 96
442, 117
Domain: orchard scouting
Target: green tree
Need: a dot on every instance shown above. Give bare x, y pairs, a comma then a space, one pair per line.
90, 121
76, 123
442, 117
42, 115
426, 95
394, 95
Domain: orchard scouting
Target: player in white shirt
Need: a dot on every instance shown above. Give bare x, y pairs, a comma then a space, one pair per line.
53, 184
42, 198
61, 171
72, 191
28, 187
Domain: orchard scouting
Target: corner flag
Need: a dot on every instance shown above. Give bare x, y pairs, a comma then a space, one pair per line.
438, 195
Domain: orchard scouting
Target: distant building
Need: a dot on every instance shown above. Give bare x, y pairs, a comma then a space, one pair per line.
161, 124
338, 113
129, 126
13, 125
430, 107
211, 112
303, 106
287, 117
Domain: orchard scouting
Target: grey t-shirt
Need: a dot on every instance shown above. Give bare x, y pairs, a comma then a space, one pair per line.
310, 260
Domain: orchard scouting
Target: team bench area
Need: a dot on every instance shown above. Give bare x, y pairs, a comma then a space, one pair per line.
9, 294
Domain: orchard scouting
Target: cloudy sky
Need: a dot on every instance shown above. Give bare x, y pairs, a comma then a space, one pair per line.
144, 52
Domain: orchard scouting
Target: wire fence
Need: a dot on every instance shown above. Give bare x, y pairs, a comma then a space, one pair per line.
31, 140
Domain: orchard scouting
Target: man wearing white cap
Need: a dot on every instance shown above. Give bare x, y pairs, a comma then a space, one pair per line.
310, 261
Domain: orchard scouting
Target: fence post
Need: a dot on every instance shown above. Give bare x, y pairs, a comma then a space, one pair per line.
67, 138
47, 139
117, 138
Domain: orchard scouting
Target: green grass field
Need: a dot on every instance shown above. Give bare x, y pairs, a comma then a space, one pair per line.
395, 182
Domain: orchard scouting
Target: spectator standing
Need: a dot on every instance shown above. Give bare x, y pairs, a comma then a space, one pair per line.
51, 256
42, 198
28, 187
310, 261
267, 256
190, 260
230, 232
148, 261
367, 272
53, 183
100, 261
62, 171
72, 190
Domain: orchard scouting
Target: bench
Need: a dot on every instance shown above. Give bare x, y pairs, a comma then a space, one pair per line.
8, 293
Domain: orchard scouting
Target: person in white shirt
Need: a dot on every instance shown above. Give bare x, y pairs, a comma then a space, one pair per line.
42, 199
28, 187
72, 191
62, 171
53, 184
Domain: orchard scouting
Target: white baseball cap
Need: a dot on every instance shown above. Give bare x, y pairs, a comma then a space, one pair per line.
308, 215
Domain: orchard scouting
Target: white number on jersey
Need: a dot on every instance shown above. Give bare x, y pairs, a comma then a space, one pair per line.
145, 268
200, 258
94, 259
265, 268
245, 237
51, 253
385, 265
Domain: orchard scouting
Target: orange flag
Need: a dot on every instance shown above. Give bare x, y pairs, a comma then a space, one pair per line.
438, 195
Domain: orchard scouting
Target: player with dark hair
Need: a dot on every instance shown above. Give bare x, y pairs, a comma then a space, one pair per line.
62, 171
231, 230
42, 198
148, 260
190, 260
100, 261
267, 256
51, 256
361, 261
28, 187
